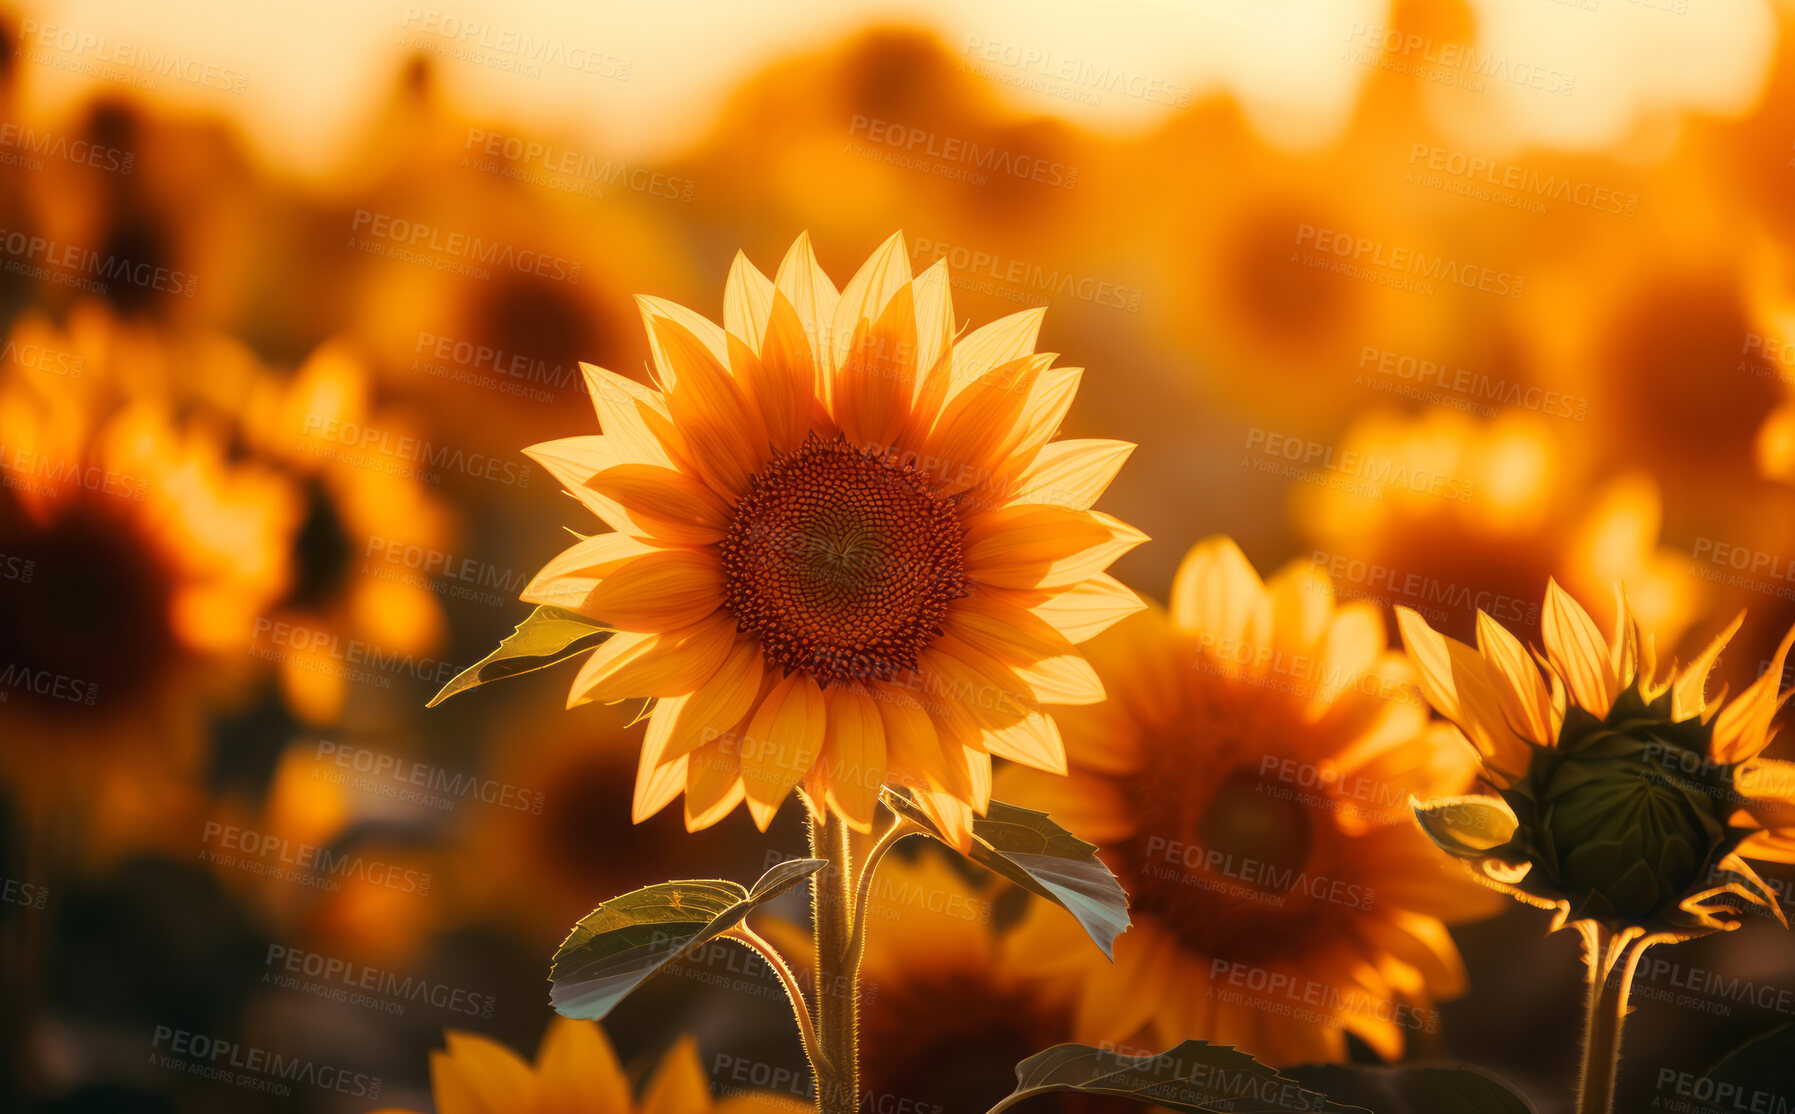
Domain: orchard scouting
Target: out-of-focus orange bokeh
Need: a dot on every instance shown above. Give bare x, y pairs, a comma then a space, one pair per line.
1446, 297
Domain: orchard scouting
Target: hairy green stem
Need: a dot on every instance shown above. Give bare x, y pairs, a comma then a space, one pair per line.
1607, 1012
788, 978
832, 891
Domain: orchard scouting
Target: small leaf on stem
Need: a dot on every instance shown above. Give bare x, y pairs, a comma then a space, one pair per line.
547, 636
1040, 856
617, 946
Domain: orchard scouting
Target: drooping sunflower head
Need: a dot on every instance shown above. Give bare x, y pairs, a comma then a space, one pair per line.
1622, 800
845, 550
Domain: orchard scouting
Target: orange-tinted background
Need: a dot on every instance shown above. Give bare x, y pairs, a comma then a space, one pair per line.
311, 401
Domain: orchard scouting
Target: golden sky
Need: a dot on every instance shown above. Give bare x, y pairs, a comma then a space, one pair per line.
641, 79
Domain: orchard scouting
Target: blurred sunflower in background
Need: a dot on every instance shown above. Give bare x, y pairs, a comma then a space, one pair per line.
842, 549
1624, 800
137, 556
1456, 513
1247, 780
845, 551
576, 1072
368, 531
172, 203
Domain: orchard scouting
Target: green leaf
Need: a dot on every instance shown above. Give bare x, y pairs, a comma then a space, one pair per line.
1415, 1090
549, 635
1758, 1075
1040, 856
1468, 827
617, 946
1195, 1076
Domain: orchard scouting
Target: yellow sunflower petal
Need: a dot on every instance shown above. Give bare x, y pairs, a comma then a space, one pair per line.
974, 682
1049, 400
573, 461
1005, 630
875, 381
1354, 640
864, 298
1456, 682
1065, 680
721, 434
571, 575
914, 754
491, 1074
680, 1085
781, 742
576, 1065
1033, 741
933, 295
1071, 473
719, 703
782, 381
979, 428
814, 299
1768, 785
1688, 693
629, 665
1769, 846
854, 755
1038, 546
703, 329
1575, 648
659, 504
1742, 729
1520, 690
1216, 591
952, 817
1001, 342
1623, 642
1424, 944
661, 590
713, 782
1084, 610
1302, 604
978, 771
747, 302
658, 779
621, 405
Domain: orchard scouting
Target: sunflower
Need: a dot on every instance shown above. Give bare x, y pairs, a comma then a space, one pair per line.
576, 1072
134, 559
845, 550
1623, 801
1247, 781
370, 528
1449, 513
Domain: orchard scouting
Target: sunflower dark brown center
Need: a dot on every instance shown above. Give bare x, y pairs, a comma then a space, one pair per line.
1223, 864
843, 562
83, 609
